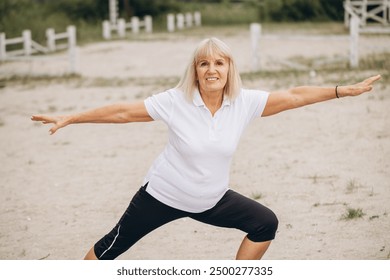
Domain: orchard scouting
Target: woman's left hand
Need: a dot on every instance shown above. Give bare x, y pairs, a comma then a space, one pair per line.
359, 88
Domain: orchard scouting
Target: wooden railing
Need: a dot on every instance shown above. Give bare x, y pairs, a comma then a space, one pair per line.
368, 11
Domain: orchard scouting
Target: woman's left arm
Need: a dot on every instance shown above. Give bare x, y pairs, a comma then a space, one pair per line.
280, 101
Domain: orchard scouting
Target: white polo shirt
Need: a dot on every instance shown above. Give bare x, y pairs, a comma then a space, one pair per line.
192, 173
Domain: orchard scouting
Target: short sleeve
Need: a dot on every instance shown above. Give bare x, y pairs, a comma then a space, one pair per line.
159, 106
255, 101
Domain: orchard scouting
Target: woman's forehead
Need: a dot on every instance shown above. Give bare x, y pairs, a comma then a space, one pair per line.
212, 57
211, 54
211, 50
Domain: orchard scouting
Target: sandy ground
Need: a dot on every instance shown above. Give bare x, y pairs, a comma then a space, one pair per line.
61, 193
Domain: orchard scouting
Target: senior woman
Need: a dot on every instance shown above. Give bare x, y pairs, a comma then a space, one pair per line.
206, 114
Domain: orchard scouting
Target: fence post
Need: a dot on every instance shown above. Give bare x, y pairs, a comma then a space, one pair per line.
148, 24
180, 21
354, 42
347, 4
3, 50
121, 28
106, 30
113, 8
27, 45
255, 29
171, 22
364, 13
198, 19
388, 11
50, 39
188, 19
135, 24
71, 30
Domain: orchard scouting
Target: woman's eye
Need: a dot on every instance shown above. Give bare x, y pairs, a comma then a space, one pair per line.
203, 64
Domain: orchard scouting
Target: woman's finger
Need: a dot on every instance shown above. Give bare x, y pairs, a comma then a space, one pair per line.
36, 118
52, 130
40, 118
372, 79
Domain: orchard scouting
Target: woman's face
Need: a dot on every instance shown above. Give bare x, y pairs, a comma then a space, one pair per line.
212, 73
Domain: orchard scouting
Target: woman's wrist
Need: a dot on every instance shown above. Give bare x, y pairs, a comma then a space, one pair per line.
337, 92
68, 119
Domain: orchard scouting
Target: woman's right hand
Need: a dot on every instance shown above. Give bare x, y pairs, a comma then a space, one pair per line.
58, 121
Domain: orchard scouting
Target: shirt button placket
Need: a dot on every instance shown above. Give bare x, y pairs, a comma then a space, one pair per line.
213, 129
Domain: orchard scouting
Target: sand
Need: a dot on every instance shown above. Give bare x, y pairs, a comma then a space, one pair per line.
61, 193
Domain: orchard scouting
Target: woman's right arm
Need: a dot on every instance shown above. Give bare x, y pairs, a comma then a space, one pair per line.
116, 113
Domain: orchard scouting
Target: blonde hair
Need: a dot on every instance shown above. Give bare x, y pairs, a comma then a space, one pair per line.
210, 47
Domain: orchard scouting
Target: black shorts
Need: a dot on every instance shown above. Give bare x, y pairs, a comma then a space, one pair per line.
145, 213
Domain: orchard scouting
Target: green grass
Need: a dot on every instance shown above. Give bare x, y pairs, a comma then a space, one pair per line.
352, 214
307, 28
228, 14
352, 186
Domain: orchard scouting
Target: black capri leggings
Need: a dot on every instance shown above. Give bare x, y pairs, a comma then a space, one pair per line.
145, 213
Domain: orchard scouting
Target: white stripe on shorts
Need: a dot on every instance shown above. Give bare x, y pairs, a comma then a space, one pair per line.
117, 234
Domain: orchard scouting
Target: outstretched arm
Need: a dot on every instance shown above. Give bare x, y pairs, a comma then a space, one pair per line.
280, 101
116, 113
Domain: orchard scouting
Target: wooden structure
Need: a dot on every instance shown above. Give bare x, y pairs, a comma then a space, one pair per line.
373, 15
183, 20
353, 57
30, 47
120, 25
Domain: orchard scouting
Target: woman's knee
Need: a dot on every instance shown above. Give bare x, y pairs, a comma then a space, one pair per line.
272, 222
264, 228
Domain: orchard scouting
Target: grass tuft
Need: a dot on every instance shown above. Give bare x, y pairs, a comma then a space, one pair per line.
353, 214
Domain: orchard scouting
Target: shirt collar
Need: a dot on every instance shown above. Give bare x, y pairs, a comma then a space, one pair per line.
198, 101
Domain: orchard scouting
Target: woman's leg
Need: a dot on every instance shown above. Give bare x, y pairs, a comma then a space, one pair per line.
91, 255
237, 211
250, 250
143, 215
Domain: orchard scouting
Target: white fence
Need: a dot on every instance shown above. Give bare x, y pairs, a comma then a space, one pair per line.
370, 13
181, 21
353, 57
113, 11
30, 47
121, 25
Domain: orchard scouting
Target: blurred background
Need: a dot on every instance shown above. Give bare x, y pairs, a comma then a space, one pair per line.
87, 15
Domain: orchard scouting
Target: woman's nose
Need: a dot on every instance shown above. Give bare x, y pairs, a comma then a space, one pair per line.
211, 67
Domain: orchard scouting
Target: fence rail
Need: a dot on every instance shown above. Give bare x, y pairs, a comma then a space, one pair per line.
30, 47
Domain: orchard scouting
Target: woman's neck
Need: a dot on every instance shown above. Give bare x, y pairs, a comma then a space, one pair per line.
212, 100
